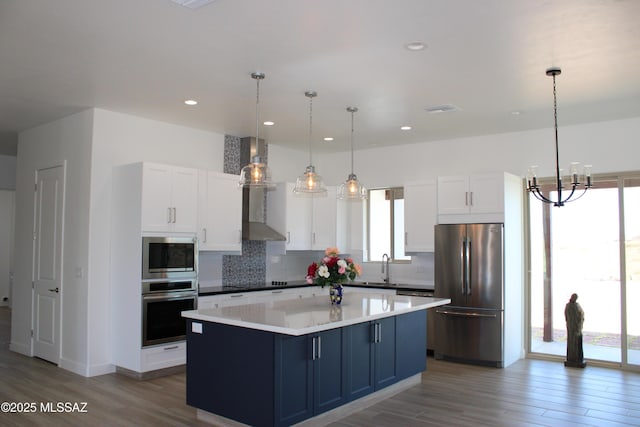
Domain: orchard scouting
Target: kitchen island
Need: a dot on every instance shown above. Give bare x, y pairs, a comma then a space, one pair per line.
282, 362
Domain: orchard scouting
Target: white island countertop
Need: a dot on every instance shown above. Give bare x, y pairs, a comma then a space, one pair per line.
303, 316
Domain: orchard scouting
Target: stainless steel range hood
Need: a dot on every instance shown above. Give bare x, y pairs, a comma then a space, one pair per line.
254, 200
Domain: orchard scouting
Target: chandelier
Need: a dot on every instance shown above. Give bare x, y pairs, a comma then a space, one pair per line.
256, 174
310, 182
578, 176
352, 189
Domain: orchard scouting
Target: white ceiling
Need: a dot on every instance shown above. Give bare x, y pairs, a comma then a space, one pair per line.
144, 57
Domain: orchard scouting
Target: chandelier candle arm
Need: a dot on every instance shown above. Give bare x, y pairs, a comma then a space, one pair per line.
574, 173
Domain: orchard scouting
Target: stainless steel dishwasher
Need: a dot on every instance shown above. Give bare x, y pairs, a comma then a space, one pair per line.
431, 328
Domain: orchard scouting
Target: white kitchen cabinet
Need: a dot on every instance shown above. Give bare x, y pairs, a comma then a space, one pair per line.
474, 198
420, 215
308, 222
219, 212
324, 220
169, 198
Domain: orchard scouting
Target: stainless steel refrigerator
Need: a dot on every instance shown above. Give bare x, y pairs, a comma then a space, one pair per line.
469, 269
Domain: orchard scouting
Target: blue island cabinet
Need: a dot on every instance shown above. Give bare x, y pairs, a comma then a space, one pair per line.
264, 378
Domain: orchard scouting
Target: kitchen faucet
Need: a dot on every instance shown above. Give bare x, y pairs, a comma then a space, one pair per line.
386, 277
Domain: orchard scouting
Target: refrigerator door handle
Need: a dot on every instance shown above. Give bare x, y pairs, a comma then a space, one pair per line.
457, 313
468, 268
463, 257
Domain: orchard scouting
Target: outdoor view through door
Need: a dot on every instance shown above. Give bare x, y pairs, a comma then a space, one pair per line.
577, 249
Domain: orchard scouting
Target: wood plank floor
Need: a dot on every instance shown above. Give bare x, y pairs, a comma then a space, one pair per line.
528, 393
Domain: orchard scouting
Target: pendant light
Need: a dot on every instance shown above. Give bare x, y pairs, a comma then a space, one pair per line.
352, 189
575, 174
310, 182
256, 174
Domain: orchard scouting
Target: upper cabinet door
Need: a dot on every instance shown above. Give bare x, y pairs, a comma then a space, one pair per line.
169, 198
156, 197
325, 212
420, 215
221, 226
487, 193
298, 220
184, 199
453, 194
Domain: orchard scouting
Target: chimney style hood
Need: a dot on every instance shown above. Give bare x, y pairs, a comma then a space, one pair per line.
254, 200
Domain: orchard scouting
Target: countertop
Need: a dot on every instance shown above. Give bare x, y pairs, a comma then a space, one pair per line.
314, 314
205, 288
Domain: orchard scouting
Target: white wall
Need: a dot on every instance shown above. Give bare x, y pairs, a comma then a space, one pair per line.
8, 172
610, 146
66, 141
7, 209
120, 139
90, 143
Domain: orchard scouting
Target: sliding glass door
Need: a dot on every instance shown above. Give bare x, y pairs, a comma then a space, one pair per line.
576, 249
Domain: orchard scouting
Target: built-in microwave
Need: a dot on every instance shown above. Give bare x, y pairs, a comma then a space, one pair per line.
169, 257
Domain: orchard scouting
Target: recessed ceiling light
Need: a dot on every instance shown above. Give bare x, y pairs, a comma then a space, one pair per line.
191, 102
269, 123
415, 46
445, 108
328, 138
515, 113
405, 128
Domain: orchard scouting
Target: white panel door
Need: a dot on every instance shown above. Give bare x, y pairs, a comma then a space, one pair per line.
223, 226
7, 207
453, 195
47, 268
420, 216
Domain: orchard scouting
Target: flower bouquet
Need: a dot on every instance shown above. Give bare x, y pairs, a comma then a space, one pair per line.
334, 271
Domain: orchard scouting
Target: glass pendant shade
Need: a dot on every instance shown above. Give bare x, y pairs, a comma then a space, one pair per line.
310, 182
256, 174
352, 189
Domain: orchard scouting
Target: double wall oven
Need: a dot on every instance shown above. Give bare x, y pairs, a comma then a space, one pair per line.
169, 287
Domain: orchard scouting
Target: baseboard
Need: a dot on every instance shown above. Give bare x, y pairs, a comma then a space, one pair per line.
75, 367
21, 348
151, 374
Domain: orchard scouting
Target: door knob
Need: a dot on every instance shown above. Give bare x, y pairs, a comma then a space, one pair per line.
56, 290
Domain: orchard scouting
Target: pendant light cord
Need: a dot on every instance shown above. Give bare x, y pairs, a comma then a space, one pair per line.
555, 121
352, 142
310, 126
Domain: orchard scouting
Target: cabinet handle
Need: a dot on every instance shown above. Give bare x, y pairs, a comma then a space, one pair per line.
236, 296
319, 347
313, 237
471, 198
204, 231
168, 215
375, 332
276, 292
175, 216
173, 347
379, 332
466, 198
313, 348
406, 238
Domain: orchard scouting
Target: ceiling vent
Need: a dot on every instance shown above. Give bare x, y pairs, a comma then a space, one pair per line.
193, 4
445, 108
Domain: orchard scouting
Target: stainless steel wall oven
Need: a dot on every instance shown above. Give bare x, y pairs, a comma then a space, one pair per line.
169, 286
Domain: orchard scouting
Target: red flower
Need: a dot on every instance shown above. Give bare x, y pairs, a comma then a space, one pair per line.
333, 260
311, 270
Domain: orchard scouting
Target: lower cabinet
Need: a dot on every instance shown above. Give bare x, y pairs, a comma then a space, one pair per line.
263, 378
309, 375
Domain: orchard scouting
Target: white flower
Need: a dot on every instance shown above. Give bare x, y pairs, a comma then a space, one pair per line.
342, 263
323, 271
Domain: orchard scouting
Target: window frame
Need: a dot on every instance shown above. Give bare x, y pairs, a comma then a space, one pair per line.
395, 191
